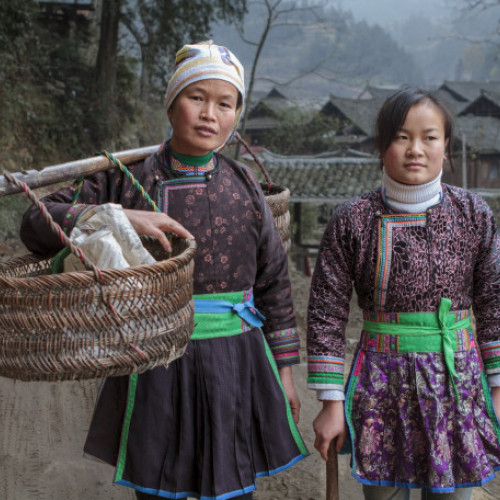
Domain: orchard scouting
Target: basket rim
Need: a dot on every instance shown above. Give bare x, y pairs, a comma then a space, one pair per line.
88, 277
276, 190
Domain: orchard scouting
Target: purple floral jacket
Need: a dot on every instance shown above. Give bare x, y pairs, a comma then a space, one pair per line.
404, 263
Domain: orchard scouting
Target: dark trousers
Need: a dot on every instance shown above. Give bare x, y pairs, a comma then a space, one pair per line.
145, 496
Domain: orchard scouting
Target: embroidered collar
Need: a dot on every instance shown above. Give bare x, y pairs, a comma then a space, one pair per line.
190, 169
180, 166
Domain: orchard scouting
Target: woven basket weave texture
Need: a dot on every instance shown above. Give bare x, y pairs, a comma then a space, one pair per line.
69, 326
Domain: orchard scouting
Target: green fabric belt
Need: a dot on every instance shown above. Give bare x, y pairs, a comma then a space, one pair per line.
426, 332
212, 325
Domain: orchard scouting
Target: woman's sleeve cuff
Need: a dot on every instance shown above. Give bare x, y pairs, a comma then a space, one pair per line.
490, 352
72, 216
285, 346
325, 372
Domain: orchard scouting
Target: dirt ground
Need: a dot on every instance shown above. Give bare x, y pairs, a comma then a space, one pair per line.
44, 425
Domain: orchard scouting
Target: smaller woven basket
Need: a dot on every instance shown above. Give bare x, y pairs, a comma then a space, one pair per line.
61, 327
277, 198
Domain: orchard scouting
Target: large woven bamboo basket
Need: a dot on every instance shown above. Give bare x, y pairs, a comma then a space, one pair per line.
71, 326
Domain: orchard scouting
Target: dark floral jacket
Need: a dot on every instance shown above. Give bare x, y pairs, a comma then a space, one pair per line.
238, 244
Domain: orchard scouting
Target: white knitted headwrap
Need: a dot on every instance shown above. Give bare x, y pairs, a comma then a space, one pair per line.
205, 61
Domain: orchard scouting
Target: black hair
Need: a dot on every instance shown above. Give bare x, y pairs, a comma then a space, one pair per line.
393, 112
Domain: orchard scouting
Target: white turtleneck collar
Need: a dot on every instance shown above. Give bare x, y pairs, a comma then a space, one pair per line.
409, 198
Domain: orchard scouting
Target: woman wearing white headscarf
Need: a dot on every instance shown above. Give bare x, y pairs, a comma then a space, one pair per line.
224, 413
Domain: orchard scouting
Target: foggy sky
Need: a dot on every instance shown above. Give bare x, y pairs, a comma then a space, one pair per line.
386, 12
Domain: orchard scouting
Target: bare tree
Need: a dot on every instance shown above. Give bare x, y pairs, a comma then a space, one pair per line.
477, 23
280, 13
479, 4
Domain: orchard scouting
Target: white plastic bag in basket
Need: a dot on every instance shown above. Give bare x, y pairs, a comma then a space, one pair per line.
107, 238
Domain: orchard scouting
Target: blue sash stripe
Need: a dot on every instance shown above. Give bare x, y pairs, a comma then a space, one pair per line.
245, 310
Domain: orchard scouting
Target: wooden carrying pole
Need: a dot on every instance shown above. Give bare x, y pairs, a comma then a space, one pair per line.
332, 473
72, 170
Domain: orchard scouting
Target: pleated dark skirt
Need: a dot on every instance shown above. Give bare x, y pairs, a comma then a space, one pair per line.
205, 427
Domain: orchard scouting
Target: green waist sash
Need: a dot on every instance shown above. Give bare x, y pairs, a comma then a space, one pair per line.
426, 332
224, 314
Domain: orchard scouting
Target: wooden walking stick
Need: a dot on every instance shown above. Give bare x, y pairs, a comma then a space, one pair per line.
332, 473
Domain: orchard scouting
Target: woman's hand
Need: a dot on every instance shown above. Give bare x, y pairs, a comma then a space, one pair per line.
329, 425
156, 224
286, 378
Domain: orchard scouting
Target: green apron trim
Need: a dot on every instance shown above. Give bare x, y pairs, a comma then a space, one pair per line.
351, 387
293, 427
122, 455
426, 332
229, 296
489, 405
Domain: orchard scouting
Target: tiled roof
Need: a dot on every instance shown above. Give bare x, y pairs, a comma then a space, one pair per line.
360, 112
455, 106
487, 104
482, 133
493, 96
469, 91
278, 100
317, 179
269, 106
380, 93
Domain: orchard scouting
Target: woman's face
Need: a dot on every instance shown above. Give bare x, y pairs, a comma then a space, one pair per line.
202, 116
416, 154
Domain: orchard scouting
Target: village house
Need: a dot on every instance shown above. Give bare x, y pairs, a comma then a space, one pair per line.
356, 118
267, 112
265, 115
477, 158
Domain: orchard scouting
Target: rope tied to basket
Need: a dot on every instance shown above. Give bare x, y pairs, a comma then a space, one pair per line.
131, 177
75, 250
256, 159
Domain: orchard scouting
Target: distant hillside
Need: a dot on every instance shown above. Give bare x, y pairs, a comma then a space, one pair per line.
462, 45
419, 49
354, 53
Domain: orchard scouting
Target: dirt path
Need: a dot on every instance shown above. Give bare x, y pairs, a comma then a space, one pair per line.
44, 426
42, 433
